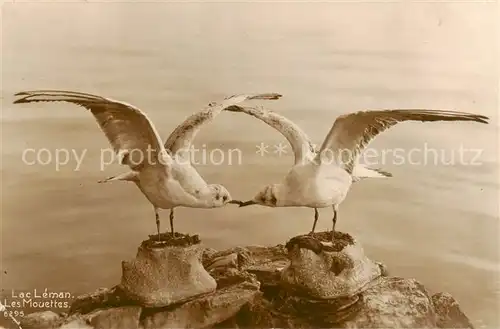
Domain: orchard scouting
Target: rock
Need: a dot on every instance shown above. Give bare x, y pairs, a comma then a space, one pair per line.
267, 264
229, 276
229, 323
205, 311
207, 256
230, 260
394, 303
448, 312
262, 313
281, 308
308, 283
321, 270
386, 303
298, 312
101, 298
41, 320
211, 255
117, 318
384, 271
166, 273
333, 311
76, 323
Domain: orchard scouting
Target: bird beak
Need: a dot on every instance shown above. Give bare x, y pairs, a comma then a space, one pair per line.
247, 203
235, 202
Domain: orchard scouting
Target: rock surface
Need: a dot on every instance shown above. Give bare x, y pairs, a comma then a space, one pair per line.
324, 270
395, 303
116, 318
76, 324
162, 275
449, 314
306, 283
41, 320
203, 312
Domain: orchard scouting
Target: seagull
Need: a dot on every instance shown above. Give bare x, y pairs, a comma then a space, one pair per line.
163, 173
322, 177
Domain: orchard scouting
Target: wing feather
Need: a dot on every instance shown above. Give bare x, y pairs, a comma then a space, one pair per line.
351, 133
128, 129
301, 145
182, 137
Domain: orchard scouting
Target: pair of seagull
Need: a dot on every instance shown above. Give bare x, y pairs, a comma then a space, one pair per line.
319, 178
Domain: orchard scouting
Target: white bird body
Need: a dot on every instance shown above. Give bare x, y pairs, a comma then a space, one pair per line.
322, 177
312, 186
182, 186
165, 191
162, 172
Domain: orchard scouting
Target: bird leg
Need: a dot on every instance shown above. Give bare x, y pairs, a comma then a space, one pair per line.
157, 216
334, 220
316, 216
172, 222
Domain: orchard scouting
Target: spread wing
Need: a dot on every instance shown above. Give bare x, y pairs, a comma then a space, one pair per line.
182, 137
301, 145
129, 131
351, 133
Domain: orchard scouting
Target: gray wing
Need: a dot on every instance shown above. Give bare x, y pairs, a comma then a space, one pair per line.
298, 139
351, 133
182, 137
129, 131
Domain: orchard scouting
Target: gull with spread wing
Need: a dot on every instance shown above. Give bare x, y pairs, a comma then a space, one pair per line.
321, 178
163, 173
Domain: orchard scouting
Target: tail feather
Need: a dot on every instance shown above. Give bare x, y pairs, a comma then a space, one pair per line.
106, 180
382, 172
268, 96
128, 176
361, 172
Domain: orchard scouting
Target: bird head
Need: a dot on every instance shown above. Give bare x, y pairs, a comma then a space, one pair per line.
220, 196
268, 196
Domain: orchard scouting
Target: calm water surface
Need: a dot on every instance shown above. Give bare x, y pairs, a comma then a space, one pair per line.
436, 222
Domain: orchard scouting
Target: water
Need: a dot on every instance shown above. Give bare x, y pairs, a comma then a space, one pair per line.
437, 223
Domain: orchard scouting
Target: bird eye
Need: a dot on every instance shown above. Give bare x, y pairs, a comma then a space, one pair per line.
224, 198
217, 197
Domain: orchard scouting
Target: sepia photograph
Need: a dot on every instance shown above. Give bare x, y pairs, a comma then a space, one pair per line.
250, 164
